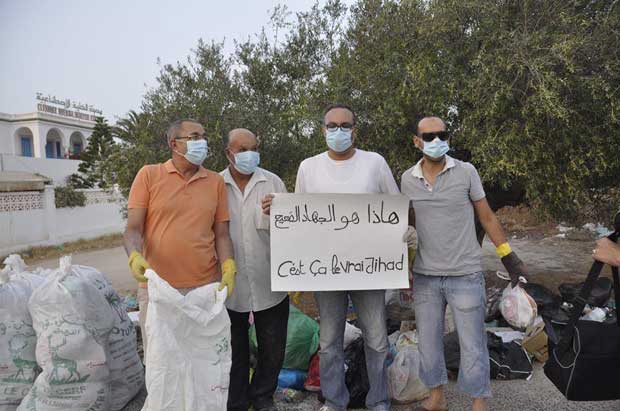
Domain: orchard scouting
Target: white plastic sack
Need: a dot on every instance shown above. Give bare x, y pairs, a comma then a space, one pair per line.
18, 366
517, 307
189, 353
351, 333
408, 339
126, 370
73, 322
404, 383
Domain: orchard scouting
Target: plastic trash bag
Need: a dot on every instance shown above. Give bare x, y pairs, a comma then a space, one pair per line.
313, 380
399, 304
356, 376
351, 333
73, 322
599, 296
292, 379
494, 296
517, 307
509, 361
189, 353
404, 383
18, 365
126, 370
302, 340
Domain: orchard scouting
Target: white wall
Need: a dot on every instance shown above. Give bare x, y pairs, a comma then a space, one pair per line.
6, 138
18, 228
91, 221
30, 223
56, 169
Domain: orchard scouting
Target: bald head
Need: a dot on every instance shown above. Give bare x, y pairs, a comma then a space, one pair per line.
240, 140
241, 136
430, 125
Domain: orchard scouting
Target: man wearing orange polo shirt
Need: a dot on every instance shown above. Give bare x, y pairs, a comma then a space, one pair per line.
177, 221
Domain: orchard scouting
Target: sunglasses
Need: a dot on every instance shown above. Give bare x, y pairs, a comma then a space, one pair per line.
428, 137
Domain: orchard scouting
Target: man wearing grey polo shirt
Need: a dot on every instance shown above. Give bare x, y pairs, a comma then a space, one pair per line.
445, 193
246, 185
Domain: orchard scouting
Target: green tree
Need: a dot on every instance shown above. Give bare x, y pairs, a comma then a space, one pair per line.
92, 170
529, 89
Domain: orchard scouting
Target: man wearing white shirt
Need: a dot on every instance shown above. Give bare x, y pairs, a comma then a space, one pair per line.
346, 169
246, 185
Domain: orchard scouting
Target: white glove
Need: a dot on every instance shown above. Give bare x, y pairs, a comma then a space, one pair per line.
410, 237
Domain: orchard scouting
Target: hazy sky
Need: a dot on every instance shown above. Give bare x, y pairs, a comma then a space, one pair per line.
104, 52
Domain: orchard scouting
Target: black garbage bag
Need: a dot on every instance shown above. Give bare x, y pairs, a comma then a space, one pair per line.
494, 296
508, 361
356, 376
451, 351
546, 300
601, 292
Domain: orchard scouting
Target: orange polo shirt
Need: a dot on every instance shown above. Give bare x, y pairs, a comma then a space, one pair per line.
179, 241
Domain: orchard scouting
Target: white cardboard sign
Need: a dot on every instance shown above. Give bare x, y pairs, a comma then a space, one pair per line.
328, 242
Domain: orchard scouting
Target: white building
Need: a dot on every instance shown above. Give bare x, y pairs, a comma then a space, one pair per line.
47, 142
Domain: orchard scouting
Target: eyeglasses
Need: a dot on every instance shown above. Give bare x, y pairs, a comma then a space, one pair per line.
193, 137
428, 137
342, 126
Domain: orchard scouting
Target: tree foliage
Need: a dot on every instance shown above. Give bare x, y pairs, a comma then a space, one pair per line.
530, 88
92, 171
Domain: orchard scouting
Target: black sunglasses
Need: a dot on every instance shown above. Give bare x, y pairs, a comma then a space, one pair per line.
428, 137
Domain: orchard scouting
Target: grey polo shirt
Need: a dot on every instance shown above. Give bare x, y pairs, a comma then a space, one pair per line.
444, 218
249, 232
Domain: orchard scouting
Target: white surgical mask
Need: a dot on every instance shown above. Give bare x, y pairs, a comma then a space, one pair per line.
436, 148
339, 140
246, 162
196, 151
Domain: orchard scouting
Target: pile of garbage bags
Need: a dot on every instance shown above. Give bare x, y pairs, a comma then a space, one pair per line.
66, 342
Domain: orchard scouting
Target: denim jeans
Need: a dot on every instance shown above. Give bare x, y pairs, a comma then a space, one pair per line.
466, 297
370, 308
271, 327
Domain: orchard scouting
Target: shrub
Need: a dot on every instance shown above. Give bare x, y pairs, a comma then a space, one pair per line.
69, 197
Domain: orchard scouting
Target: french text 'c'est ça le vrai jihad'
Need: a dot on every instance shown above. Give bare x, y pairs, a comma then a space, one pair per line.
338, 266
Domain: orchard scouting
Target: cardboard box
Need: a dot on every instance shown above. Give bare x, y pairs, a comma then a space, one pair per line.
535, 342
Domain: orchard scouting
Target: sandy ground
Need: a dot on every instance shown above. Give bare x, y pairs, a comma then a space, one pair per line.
550, 261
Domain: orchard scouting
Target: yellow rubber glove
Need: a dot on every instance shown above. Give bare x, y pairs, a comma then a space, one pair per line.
229, 270
138, 266
294, 295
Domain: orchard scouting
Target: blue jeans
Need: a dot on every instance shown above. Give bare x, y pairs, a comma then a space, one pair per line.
370, 308
466, 297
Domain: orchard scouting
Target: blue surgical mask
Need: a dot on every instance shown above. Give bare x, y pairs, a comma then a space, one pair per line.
196, 151
436, 148
247, 161
339, 140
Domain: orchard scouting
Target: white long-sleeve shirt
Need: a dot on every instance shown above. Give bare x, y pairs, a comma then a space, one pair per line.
249, 232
